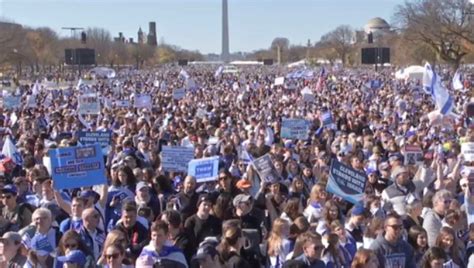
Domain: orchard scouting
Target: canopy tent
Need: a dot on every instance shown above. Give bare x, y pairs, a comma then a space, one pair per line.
411, 72
297, 64
103, 72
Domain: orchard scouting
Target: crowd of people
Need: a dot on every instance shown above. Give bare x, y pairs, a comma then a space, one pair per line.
413, 213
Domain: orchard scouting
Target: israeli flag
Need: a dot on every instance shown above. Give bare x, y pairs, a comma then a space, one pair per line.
219, 71
9, 150
457, 81
432, 84
36, 88
183, 74
79, 84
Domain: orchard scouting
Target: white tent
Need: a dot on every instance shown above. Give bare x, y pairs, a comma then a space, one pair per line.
411, 72
297, 64
103, 72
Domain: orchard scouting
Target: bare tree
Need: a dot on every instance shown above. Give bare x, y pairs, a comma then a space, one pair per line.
443, 25
341, 39
101, 40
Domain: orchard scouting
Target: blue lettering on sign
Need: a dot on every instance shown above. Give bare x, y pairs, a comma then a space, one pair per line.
204, 169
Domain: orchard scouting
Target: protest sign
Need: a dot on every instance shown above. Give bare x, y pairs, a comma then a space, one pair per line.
413, 154
74, 167
11, 102
89, 104
279, 81
467, 149
102, 138
31, 101
266, 169
176, 158
179, 93
294, 129
122, 103
142, 101
204, 169
346, 182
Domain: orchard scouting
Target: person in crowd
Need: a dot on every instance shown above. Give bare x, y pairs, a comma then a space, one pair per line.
432, 221
114, 255
317, 200
16, 215
203, 224
334, 255
278, 243
187, 199
446, 240
434, 258
177, 236
115, 237
418, 239
311, 247
331, 212
230, 247
365, 258
391, 249
92, 236
70, 242
13, 252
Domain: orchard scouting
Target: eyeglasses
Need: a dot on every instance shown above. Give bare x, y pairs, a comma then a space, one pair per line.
70, 245
222, 178
112, 256
6, 196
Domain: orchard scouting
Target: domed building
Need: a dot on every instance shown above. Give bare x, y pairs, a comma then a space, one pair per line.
377, 26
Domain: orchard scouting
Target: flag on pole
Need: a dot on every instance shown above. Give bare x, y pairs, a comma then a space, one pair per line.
36, 88
457, 81
79, 84
183, 74
219, 71
321, 79
10, 150
432, 83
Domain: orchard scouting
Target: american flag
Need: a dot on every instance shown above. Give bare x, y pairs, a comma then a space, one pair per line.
321, 80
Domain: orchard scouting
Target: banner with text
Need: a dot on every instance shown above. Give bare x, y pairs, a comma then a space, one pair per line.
103, 138
346, 182
176, 158
204, 169
294, 128
266, 169
89, 104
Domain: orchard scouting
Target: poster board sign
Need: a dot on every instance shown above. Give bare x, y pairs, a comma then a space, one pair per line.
265, 169
176, 158
89, 104
413, 154
294, 128
467, 149
142, 101
31, 101
279, 81
346, 182
179, 93
11, 102
74, 167
103, 138
204, 169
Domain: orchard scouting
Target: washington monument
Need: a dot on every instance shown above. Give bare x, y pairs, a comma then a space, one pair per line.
225, 33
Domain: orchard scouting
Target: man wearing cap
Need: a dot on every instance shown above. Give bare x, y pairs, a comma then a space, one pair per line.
202, 224
207, 257
400, 192
144, 197
16, 215
243, 206
354, 224
11, 255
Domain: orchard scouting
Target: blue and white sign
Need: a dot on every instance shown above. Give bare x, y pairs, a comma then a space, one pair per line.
179, 93
122, 103
11, 102
205, 169
176, 158
89, 104
143, 101
294, 128
102, 138
346, 182
74, 167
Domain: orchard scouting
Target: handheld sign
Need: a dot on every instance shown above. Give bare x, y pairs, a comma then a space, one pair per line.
122, 103
80, 166
413, 154
467, 149
100, 137
205, 169
279, 81
89, 104
179, 93
294, 129
266, 169
11, 102
346, 182
176, 158
143, 101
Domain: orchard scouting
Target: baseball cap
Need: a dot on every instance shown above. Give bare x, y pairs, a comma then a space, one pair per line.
358, 211
88, 193
74, 256
10, 188
396, 157
141, 185
398, 170
11, 236
204, 198
240, 198
205, 250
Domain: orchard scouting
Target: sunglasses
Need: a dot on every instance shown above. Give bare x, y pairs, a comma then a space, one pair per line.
70, 245
112, 256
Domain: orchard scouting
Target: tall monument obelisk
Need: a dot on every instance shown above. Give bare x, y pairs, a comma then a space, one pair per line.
225, 33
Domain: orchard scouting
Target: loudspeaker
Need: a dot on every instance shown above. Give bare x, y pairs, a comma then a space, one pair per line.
182, 62
375, 55
80, 56
267, 61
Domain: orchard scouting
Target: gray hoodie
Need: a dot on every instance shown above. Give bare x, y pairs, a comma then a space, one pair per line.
398, 255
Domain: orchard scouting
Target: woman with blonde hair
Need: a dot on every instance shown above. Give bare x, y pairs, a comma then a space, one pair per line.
335, 256
231, 244
278, 243
447, 241
365, 258
114, 237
